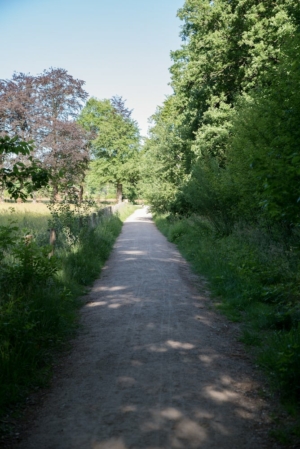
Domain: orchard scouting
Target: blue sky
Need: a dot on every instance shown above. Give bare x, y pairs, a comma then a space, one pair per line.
119, 47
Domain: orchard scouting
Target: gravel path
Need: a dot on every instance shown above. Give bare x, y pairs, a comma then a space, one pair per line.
153, 367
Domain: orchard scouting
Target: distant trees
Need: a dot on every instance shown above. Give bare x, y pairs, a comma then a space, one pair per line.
165, 160
43, 109
115, 148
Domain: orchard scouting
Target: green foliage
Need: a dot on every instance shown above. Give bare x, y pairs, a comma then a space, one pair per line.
29, 263
19, 179
228, 136
280, 357
165, 159
176, 231
32, 326
264, 150
211, 193
69, 219
115, 148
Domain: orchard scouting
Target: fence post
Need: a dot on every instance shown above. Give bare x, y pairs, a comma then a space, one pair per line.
52, 241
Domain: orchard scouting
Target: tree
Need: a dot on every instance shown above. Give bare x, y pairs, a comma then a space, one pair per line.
263, 153
19, 179
165, 159
228, 49
115, 149
44, 109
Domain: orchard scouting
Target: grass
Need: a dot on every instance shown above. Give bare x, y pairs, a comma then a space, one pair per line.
256, 282
32, 216
40, 298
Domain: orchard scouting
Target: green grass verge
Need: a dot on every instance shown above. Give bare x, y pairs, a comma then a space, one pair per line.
256, 283
38, 319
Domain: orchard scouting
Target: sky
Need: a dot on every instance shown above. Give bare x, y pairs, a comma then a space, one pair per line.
118, 47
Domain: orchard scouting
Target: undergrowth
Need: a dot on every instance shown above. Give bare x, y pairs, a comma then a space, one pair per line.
39, 296
255, 277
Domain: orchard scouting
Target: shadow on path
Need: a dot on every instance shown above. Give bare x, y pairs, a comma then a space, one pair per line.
154, 368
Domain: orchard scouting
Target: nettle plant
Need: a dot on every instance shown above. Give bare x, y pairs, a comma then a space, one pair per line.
23, 261
70, 218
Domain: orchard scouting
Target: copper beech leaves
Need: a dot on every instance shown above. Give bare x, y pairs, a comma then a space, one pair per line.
43, 109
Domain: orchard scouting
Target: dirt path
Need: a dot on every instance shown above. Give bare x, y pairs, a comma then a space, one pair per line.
153, 368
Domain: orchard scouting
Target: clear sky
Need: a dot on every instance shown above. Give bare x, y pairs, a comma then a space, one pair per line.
119, 47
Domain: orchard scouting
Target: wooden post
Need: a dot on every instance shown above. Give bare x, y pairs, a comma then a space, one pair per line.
52, 241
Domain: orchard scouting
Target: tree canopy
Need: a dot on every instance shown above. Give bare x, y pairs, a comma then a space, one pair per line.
43, 109
115, 147
228, 135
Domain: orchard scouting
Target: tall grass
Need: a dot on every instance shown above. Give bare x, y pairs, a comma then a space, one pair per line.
39, 297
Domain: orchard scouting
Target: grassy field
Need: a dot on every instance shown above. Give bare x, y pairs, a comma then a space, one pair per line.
33, 218
29, 217
40, 295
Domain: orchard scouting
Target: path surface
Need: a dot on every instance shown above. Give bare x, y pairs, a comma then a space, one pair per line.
153, 368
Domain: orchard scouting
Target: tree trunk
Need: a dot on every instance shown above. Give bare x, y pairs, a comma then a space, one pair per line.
119, 193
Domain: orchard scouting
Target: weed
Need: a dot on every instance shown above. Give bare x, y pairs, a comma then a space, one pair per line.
250, 339
280, 357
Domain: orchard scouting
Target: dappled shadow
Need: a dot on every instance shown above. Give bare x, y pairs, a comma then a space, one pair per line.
173, 371
155, 370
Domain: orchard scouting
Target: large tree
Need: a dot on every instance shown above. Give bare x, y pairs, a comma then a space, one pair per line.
115, 148
43, 108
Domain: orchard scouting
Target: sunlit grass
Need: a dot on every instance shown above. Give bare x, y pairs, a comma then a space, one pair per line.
37, 208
